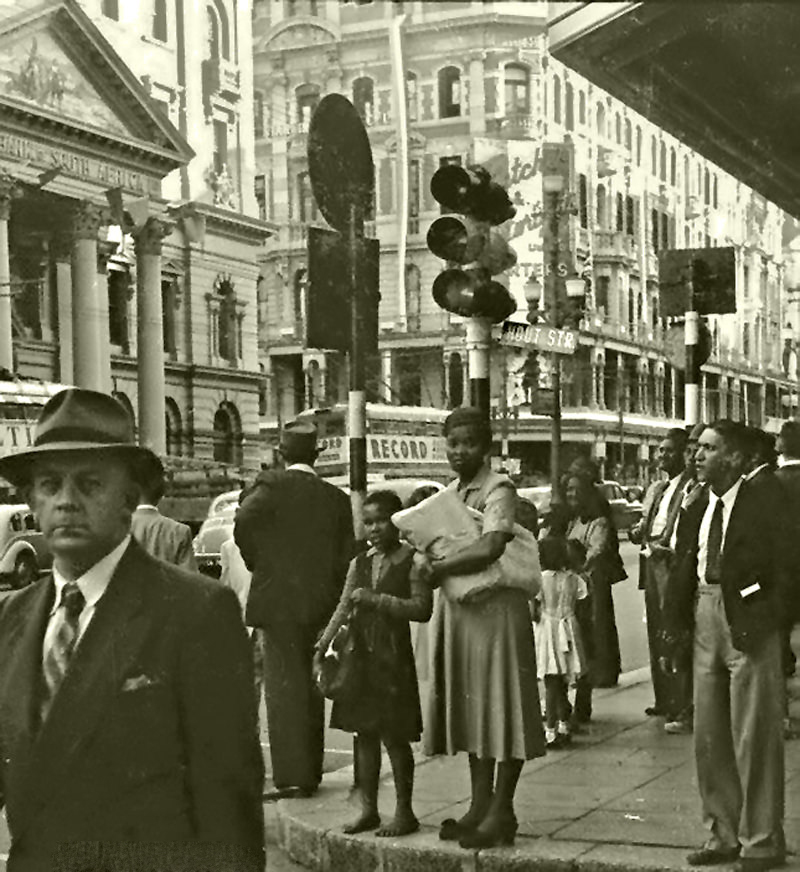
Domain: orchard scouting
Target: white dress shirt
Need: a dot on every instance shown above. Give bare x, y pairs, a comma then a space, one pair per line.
728, 499
92, 584
753, 473
302, 467
660, 521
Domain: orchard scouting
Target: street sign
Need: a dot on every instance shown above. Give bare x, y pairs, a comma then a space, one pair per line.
544, 337
340, 162
675, 345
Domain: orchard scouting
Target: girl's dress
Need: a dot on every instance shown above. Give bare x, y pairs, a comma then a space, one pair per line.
484, 697
559, 648
388, 702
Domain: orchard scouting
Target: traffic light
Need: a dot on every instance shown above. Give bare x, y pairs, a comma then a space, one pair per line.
465, 240
710, 275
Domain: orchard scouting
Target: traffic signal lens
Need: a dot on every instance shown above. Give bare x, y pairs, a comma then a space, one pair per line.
454, 290
447, 239
450, 186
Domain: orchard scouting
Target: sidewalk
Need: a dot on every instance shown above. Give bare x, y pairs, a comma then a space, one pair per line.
622, 797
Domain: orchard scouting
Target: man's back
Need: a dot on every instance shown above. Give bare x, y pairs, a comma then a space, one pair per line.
295, 533
162, 537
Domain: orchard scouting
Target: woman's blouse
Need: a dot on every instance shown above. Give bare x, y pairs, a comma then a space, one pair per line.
493, 495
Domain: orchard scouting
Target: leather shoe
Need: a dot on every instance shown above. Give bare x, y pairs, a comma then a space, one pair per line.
757, 864
712, 856
653, 711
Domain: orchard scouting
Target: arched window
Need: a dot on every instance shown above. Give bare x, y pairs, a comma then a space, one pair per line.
620, 225
706, 187
160, 20
714, 193
227, 435
218, 43
601, 207
307, 96
364, 99
299, 287
687, 179
517, 90
673, 167
600, 120
663, 166
638, 146
455, 380
746, 339
653, 156
569, 106
557, 99
628, 134
581, 108
412, 95
449, 92
173, 429
618, 129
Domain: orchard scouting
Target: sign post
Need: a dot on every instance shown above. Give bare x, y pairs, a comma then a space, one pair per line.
342, 176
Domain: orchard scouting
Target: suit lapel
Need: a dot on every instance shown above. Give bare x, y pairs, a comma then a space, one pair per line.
111, 642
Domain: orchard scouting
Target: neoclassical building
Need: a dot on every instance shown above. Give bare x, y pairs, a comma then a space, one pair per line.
476, 83
129, 231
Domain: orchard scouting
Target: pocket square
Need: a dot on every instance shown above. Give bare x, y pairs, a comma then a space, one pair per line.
137, 682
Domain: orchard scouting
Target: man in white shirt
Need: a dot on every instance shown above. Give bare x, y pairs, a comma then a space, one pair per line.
126, 707
731, 552
662, 503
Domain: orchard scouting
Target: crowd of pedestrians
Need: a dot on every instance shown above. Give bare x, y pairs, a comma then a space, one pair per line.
135, 687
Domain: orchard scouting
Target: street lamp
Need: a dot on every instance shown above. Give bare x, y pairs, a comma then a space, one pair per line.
533, 297
576, 287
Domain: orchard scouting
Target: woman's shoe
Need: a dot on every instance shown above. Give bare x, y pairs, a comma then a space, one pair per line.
551, 739
452, 830
502, 834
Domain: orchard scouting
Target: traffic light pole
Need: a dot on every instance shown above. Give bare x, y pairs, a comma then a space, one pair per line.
692, 338
479, 335
552, 287
357, 406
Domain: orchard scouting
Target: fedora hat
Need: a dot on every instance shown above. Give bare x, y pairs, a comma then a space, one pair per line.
82, 420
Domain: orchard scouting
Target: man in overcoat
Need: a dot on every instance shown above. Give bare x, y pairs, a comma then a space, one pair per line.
729, 584
127, 720
295, 532
159, 535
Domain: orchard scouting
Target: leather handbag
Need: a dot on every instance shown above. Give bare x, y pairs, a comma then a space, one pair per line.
339, 676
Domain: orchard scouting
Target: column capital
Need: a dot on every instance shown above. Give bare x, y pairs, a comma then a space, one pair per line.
149, 237
10, 189
87, 219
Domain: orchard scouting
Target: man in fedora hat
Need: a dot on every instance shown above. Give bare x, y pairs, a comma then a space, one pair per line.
295, 532
127, 722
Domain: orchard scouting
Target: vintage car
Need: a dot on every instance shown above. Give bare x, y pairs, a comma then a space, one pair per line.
23, 551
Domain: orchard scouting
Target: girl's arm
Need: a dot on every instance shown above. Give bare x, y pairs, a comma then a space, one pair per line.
417, 607
341, 612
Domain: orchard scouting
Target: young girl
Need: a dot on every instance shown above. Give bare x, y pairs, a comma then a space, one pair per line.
559, 649
388, 593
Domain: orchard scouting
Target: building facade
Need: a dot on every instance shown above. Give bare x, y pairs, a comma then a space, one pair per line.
129, 230
478, 86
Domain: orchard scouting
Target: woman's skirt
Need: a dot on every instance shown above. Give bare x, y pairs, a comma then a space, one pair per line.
484, 697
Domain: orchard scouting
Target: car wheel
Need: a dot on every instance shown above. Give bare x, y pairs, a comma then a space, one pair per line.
25, 571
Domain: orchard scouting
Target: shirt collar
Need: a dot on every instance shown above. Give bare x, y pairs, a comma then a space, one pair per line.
302, 467
478, 481
146, 507
789, 462
753, 473
95, 580
728, 498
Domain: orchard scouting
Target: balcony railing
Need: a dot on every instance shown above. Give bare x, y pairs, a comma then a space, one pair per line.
220, 79
613, 245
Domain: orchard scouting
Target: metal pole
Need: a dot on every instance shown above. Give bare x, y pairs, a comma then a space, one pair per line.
552, 280
692, 387
357, 407
479, 334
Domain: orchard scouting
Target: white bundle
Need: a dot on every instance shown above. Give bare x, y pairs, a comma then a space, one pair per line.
442, 525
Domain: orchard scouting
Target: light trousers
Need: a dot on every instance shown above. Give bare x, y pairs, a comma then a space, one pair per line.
738, 734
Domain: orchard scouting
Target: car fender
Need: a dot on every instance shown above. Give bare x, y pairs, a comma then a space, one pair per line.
12, 552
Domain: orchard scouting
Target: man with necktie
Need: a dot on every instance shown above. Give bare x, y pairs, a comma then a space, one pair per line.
731, 553
127, 718
662, 504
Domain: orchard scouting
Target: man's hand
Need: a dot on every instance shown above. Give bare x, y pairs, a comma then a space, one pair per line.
362, 596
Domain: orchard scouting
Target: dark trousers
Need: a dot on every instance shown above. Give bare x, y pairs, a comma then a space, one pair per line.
295, 707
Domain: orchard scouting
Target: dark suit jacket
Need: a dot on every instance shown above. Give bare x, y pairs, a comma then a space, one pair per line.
163, 538
641, 532
152, 736
755, 552
295, 532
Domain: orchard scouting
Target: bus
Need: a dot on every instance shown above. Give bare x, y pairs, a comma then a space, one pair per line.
402, 441
21, 403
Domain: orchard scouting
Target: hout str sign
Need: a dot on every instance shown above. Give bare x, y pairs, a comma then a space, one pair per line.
542, 336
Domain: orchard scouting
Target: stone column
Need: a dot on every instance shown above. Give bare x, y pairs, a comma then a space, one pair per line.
90, 368
104, 251
9, 190
477, 97
60, 250
386, 375
150, 333
704, 397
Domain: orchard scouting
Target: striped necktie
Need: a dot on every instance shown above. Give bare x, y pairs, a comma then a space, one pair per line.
56, 660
